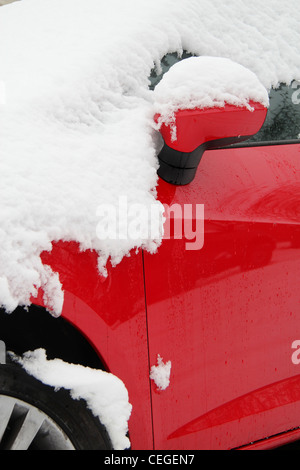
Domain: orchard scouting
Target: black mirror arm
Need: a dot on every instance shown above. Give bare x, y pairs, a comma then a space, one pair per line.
179, 168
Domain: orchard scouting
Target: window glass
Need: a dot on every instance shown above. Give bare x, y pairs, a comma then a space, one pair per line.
166, 63
283, 118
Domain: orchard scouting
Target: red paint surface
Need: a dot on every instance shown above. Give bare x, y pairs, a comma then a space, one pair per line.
110, 313
225, 315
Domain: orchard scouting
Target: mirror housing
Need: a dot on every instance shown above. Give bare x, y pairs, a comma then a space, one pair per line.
198, 130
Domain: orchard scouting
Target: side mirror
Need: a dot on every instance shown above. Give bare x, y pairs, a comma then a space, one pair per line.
191, 131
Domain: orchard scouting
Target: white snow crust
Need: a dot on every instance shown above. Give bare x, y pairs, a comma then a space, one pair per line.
76, 128
160, 374
105, 394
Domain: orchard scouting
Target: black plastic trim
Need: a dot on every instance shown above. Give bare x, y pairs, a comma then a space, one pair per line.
179, 168
265, 143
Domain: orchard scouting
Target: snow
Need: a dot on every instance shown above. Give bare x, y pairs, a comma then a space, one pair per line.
104, 393
160, 374
76, 127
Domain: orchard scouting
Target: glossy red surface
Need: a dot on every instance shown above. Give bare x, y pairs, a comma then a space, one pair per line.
197, 126
110, 313
225, 315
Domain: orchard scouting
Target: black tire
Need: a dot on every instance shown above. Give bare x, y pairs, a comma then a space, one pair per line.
72, 416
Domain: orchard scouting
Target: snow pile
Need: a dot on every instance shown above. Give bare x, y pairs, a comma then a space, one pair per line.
105, 394
160, 374
76, 130
206, 82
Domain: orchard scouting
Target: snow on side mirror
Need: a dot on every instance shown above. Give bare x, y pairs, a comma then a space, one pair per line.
204, 103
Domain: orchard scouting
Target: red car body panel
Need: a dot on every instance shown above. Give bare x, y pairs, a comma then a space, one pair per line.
225, 315
110, 313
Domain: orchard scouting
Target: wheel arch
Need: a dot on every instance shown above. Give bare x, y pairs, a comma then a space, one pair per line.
34, 327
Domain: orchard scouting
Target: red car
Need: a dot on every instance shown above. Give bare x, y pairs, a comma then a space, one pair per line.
222, 317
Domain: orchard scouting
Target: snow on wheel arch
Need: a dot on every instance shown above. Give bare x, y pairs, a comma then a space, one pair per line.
105, 394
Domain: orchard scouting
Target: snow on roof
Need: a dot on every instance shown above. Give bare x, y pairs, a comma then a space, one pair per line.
76, 125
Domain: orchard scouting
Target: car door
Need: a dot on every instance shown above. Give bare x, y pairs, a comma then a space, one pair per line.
225, 316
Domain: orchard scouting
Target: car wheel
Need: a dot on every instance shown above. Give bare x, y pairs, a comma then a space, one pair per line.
34, 416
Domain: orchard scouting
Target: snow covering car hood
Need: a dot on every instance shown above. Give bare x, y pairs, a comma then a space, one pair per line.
76, 115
